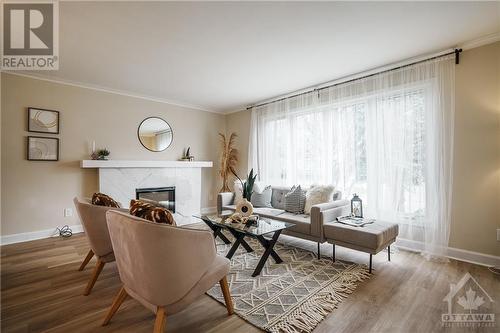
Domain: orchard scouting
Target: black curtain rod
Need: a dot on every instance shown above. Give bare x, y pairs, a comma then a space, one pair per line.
456, 52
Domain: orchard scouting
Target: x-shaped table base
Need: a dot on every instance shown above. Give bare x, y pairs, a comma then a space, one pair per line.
267, 244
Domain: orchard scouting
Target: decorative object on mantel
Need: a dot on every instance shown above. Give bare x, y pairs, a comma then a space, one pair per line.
101, 154
42, 149
187, 155
228, 161
43, 121
356, 206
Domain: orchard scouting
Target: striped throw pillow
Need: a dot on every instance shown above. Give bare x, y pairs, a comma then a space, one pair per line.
295, 200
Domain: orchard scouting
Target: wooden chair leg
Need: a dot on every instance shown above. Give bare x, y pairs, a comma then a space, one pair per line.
86, 260
93, 278
161, 318
119, 298
227, 295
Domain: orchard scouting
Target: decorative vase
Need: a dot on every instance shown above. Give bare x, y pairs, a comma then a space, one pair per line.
244, 208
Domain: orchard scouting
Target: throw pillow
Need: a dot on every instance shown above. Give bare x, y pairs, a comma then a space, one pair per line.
295, 200
151, 212
101, 199
262, 199
318, 194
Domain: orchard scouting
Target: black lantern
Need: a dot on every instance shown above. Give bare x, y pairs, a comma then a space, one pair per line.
356, 206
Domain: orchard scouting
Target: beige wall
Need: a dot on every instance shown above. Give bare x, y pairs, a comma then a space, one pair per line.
476, 194
34, 194
476, 203
239, 123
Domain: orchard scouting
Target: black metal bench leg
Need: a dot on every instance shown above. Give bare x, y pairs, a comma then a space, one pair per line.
370, 270
389, 253
333, 258
319, 252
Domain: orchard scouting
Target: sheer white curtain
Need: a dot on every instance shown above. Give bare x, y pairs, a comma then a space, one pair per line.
388, 138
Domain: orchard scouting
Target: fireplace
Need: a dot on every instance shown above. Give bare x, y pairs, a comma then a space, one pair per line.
163, 196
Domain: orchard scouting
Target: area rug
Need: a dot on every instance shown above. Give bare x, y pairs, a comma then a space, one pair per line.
294, 296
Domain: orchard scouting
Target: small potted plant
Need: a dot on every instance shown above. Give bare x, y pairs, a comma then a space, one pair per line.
102, 154
245, 207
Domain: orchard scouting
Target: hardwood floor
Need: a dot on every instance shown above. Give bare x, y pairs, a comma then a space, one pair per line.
42, 292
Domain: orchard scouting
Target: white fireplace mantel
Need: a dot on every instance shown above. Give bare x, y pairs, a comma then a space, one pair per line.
144, 164
121, 178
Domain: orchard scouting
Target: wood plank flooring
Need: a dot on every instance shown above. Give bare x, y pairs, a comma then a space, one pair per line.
41, 291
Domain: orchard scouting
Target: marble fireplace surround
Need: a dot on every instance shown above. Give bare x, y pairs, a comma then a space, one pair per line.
119, 179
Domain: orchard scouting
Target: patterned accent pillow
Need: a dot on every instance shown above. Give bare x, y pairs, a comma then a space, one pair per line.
262, 199
295, 200
151, 212
101, 199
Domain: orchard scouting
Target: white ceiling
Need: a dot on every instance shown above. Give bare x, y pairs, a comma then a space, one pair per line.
225, 56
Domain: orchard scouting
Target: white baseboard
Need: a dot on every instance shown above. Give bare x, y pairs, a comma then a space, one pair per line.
453, 253
34, 235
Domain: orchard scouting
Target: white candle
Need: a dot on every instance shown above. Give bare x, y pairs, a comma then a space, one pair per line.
93, 146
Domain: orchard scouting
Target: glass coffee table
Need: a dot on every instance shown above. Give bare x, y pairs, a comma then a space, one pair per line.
263, 226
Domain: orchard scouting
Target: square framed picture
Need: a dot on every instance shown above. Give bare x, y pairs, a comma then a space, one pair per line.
43, 149
43, 121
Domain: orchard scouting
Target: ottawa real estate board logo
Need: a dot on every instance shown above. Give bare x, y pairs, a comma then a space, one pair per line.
30, 38
469, 305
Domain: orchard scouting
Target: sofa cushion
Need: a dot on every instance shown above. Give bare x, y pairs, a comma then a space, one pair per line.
302, 222
278, 196
268, 212
373, 236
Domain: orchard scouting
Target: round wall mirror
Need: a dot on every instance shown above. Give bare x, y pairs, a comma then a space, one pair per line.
155, 134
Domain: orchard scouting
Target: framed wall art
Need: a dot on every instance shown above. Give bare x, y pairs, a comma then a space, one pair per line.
43, 149
43, 121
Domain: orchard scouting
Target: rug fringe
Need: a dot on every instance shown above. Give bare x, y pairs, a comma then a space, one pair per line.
310, 313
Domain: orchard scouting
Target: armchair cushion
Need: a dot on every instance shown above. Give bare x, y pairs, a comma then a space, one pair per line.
101, 199
151, 212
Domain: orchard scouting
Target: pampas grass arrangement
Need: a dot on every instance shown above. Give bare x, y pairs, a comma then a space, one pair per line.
228, 160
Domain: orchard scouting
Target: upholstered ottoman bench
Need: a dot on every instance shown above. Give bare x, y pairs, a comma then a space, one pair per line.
370, 238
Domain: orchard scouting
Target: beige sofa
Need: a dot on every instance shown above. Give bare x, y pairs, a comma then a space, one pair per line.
309, 227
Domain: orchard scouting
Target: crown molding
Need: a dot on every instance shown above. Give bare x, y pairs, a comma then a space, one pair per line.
114, 91
481, 41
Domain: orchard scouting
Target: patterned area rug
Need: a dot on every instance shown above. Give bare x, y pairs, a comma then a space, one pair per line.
294, 296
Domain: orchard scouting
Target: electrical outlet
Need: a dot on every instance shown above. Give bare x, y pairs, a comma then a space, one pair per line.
498, 235
68, 212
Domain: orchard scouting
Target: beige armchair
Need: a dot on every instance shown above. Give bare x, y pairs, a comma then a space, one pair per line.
163, 267
93, 220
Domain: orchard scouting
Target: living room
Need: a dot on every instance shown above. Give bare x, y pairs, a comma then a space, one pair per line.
343, 157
